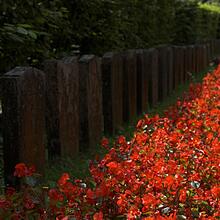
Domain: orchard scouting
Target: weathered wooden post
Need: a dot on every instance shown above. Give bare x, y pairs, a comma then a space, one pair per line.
151, 58
212, 48
188, 62
208, 52
62, 99
198, 58
23, 106
184, 64
204, 57
68, 105
202, 60
193, 59
170, 70
91, 115
129, 85
52, 110
163, 73
217, 47
112, 90
176, 66
142, 82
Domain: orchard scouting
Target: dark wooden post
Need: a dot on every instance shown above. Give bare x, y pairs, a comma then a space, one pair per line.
142, 82
212, 48
198, 58
188, 61
91, 117
163, 73
170, 69
186, 52
182, 62
208, 52
129, 85
68, 105
204, 57
218, 47
193, 59
52, 110
23, 93
151, 58
112, 90
176, 66
201, 57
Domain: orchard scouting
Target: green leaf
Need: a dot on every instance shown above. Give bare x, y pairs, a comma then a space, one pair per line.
21, 30
32, 34
15, 37
25, 25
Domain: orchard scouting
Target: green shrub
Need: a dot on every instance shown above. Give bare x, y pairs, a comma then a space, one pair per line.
33, 30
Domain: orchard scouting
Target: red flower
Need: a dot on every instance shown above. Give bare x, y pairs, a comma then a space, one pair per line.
22, 170
55, 195
90, 194
182, 197
63, 179
102, 190
216, 191
28, 203
105, 142
112, 165
121, 140
98, 216
10, 191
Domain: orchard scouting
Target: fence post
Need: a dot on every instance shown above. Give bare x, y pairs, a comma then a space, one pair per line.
188, 62
52, 111
129, 85
151, 58
177, 66
198, 58
212, 48
163, 72
68, 102
170, 69
23, 105
112, 90
142, 82
208, 52
184, 63
91, 117
205, 62
218, 47
193, 59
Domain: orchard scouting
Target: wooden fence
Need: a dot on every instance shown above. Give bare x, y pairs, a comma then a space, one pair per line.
64, 108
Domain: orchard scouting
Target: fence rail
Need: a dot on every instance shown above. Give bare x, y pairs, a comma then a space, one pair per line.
65, 108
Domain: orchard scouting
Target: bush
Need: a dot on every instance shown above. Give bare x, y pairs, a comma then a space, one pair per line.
34, 30
31, 31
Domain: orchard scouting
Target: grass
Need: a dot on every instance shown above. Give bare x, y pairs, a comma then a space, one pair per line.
78, 166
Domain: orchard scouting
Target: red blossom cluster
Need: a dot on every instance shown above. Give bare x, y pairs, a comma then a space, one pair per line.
170, 169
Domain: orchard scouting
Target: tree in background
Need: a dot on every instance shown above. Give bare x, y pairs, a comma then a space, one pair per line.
33, 30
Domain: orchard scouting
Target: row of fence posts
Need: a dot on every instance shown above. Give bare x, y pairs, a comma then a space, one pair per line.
66, 106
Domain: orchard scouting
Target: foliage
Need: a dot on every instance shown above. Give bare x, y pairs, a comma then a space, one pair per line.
169, 170
210, 7
31, 31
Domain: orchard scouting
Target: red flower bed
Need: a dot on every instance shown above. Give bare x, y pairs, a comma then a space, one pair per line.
169, 170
